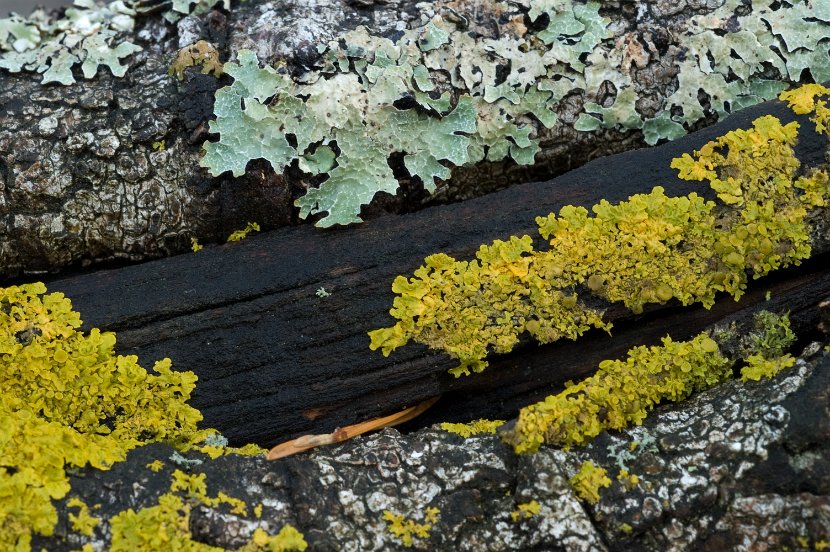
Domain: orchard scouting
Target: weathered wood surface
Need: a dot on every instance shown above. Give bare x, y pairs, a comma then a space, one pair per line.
275, 360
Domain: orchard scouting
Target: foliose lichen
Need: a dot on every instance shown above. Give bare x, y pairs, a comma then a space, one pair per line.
407, 529
82, 521
525, 510
183, 8
810, 98
201, 53
476, 427
68, 402
445, 93
91, 34
649, 249
238, 235
166, 526
622, 392
589, 480
86, 35
758, 367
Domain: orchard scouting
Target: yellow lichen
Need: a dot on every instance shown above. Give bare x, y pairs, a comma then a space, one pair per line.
286, 540
166, 526
803, 100
155, 466
588, 481
405, 529
620, 393
215, 451
201, 53
758, 367
195, 245
466, 308
649, 249
238, 235
476, 427
525, 510
69, 400
82, 522
627, 480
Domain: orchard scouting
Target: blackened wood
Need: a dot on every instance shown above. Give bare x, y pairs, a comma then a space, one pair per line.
274, 360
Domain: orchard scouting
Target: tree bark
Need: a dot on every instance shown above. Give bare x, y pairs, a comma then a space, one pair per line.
275, 360
740, 467
82, 182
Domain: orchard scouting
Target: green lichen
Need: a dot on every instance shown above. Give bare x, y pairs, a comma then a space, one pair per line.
588, 481
478, 97
90, 34
166, 526
87, 35
182, 8
407, 529
649, 249
771, 336
476, 427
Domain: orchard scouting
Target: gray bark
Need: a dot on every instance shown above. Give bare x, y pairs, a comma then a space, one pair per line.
740, 467
81, 182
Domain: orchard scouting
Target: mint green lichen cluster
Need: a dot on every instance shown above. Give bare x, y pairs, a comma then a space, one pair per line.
89, 34
489, 98
649, 249
86, 35
182, 8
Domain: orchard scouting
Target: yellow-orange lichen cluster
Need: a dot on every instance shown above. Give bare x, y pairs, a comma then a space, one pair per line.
69, 401
649, 249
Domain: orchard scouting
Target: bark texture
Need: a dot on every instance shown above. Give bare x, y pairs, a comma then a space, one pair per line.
740, 467
275, 360
82, 183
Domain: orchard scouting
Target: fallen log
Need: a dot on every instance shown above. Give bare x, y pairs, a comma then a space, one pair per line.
275, 359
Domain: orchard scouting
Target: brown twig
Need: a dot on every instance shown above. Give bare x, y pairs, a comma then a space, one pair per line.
307, 442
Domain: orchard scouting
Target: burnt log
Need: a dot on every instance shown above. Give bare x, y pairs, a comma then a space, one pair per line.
275, 360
